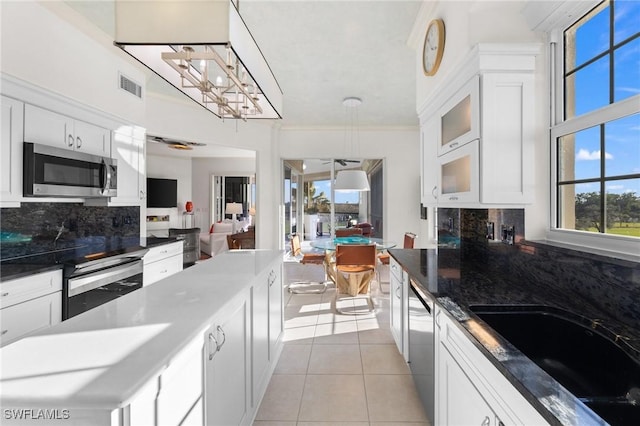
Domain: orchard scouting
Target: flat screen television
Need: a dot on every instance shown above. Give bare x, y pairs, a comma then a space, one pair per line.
162, 192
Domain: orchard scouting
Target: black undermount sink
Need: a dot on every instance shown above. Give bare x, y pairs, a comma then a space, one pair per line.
591, 366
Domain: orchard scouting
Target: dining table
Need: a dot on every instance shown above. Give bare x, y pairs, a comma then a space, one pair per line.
357, 283
331, 243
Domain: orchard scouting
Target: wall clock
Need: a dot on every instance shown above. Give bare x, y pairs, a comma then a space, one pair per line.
433, 47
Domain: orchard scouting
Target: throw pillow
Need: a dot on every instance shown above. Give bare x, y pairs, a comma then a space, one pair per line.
211, 229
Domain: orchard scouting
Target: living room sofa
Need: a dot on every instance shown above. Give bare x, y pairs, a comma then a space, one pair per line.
215, 241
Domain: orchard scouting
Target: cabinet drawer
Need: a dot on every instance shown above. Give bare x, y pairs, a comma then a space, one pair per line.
22, 289
162, 252
158, 270
23, 318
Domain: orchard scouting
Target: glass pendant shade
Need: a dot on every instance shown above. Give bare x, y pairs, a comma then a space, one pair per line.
351, 180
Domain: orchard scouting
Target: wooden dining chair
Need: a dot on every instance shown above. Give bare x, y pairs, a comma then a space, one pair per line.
347, 232
306, 287
409, 242
355, 268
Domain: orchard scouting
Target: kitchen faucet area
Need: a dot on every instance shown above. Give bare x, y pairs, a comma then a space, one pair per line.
311, 213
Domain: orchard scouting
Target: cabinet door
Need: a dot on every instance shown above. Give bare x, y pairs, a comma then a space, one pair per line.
48, 128
276, 320
459, 117
460, 403
260, 335
507, 138
458, 179
429, 159
11, 132
226, 369
92, 139
32, 315
395, 305
128, 152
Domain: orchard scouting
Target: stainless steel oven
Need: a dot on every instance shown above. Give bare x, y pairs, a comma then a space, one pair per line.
54, 172
94, 283
421, 346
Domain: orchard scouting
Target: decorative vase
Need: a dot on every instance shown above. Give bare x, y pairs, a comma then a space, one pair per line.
189, 207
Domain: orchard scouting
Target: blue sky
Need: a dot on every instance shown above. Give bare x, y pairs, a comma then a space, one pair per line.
622, 137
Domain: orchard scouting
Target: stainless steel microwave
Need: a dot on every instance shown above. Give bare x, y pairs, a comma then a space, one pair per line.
54, 172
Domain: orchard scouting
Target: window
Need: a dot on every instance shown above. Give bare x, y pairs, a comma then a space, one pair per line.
596, 141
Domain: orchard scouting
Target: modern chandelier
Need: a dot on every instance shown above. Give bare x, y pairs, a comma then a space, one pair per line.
205, 50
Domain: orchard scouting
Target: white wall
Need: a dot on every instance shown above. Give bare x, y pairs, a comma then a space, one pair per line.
468, 23
400, 150
42, 49
172, 168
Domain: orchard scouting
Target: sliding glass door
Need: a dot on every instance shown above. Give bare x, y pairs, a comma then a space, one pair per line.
309, 183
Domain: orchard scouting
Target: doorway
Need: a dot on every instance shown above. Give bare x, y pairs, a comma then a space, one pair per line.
314, 209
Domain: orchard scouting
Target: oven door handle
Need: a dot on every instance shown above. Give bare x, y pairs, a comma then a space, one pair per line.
98, 279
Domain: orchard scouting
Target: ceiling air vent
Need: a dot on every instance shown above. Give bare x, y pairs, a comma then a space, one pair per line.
130, 86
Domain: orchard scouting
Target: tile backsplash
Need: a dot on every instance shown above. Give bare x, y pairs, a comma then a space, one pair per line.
33, 227
594, 283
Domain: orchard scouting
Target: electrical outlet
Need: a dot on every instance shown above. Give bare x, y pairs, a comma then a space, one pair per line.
491, 234
126, 220
508, 234
115, 221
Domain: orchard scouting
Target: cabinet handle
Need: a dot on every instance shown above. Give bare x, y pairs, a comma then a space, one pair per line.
486, 421
437, 319
224, 337
453, 198
164, 271
78, 142
453, 145
434, 192
70, 140
398, 290
5, 294
211, 354
4, 332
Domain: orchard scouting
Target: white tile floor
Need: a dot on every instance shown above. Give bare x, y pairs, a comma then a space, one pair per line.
339, 369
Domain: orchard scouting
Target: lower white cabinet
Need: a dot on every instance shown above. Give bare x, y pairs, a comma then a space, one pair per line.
161, 262
469, 389
176, 396
29, 304
227, 370
398, 280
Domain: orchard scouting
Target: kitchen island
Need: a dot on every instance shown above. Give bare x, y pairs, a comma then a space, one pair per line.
592, 290
160, 354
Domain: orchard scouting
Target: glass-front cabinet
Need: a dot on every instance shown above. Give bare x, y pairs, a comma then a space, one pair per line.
477, 139
460, 117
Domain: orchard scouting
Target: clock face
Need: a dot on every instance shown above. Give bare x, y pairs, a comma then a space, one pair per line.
433, 47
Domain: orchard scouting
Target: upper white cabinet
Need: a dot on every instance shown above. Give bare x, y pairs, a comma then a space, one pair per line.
11, 132
50, 128
487, 110
459, 117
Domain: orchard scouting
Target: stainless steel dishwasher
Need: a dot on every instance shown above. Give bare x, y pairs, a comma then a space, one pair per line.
421, 346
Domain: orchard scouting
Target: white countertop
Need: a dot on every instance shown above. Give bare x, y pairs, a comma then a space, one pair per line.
101, 358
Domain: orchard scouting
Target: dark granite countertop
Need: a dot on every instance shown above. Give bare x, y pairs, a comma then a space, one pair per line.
458, 280
34, 259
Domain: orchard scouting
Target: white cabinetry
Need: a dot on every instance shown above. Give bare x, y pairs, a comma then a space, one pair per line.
266, 326
129, 151
227, 370
486, 110
29, 304
11, 132
398, 293
469, 389
161, 262
50, 128
176, 396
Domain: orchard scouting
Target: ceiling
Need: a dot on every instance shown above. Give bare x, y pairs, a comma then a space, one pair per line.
320, 53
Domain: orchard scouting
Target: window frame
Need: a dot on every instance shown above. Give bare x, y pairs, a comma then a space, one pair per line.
601, 243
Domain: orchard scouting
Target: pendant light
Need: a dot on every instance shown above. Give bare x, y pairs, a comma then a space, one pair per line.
352, 180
